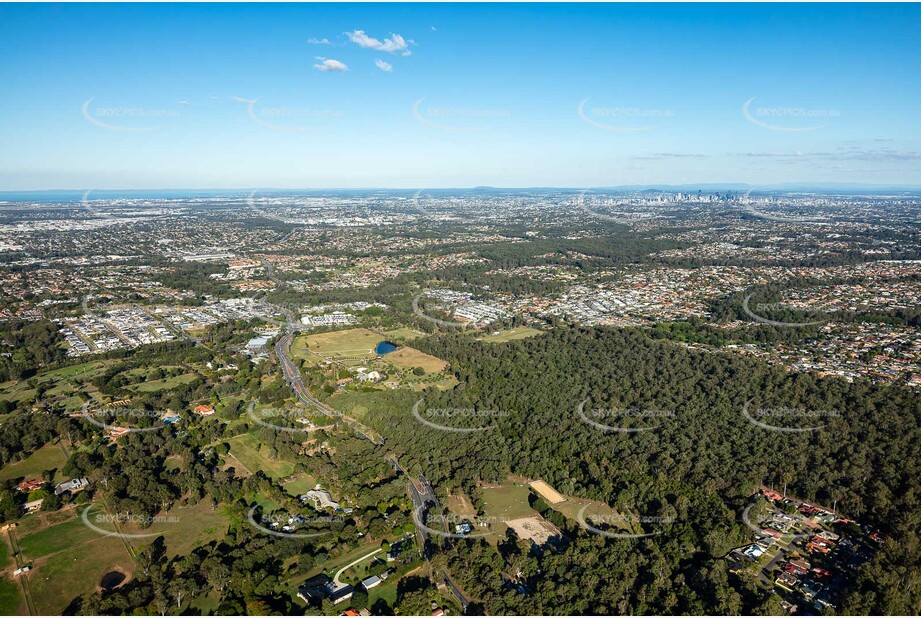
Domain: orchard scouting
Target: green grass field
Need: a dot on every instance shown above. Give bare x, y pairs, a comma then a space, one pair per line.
183, 528
59, 579
5, 559
255, 456
10, 599
520, 332
207, 603
408, 358
509, 501
301, 485
48, 457
351, 342
403, 334
159, 385
56, 538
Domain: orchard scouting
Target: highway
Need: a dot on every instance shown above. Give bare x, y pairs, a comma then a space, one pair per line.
293, 378
421, 499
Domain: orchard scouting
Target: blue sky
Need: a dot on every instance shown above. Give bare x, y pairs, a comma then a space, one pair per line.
450, 95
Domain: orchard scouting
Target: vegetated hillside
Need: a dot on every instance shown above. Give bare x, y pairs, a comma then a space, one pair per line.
696, 468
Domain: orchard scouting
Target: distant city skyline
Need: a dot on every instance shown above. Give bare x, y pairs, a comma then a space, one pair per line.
347, 96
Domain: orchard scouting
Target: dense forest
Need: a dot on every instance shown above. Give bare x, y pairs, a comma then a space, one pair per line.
697, 467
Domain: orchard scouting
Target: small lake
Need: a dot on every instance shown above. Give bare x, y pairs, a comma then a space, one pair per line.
385, 347
111, 580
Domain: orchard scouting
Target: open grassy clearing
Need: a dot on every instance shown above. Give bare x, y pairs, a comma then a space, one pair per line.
57, 537
403, 334
48, 457
459, 504
183, 528
520, 332
301, 485
11, 602
5, 554
408, 358
255, 456
508, 501
159, 385
19, 390
351, 342
58, 579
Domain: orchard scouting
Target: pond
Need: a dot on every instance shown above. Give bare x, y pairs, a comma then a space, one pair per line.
111, 580
385, 347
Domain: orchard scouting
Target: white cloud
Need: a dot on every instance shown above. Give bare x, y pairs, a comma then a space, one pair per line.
384, 66
395, 43
328, 64
314, 41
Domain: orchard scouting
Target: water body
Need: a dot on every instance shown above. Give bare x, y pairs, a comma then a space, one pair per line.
385, 347
112, 579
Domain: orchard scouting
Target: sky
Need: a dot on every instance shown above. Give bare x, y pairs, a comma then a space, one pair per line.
161, 96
